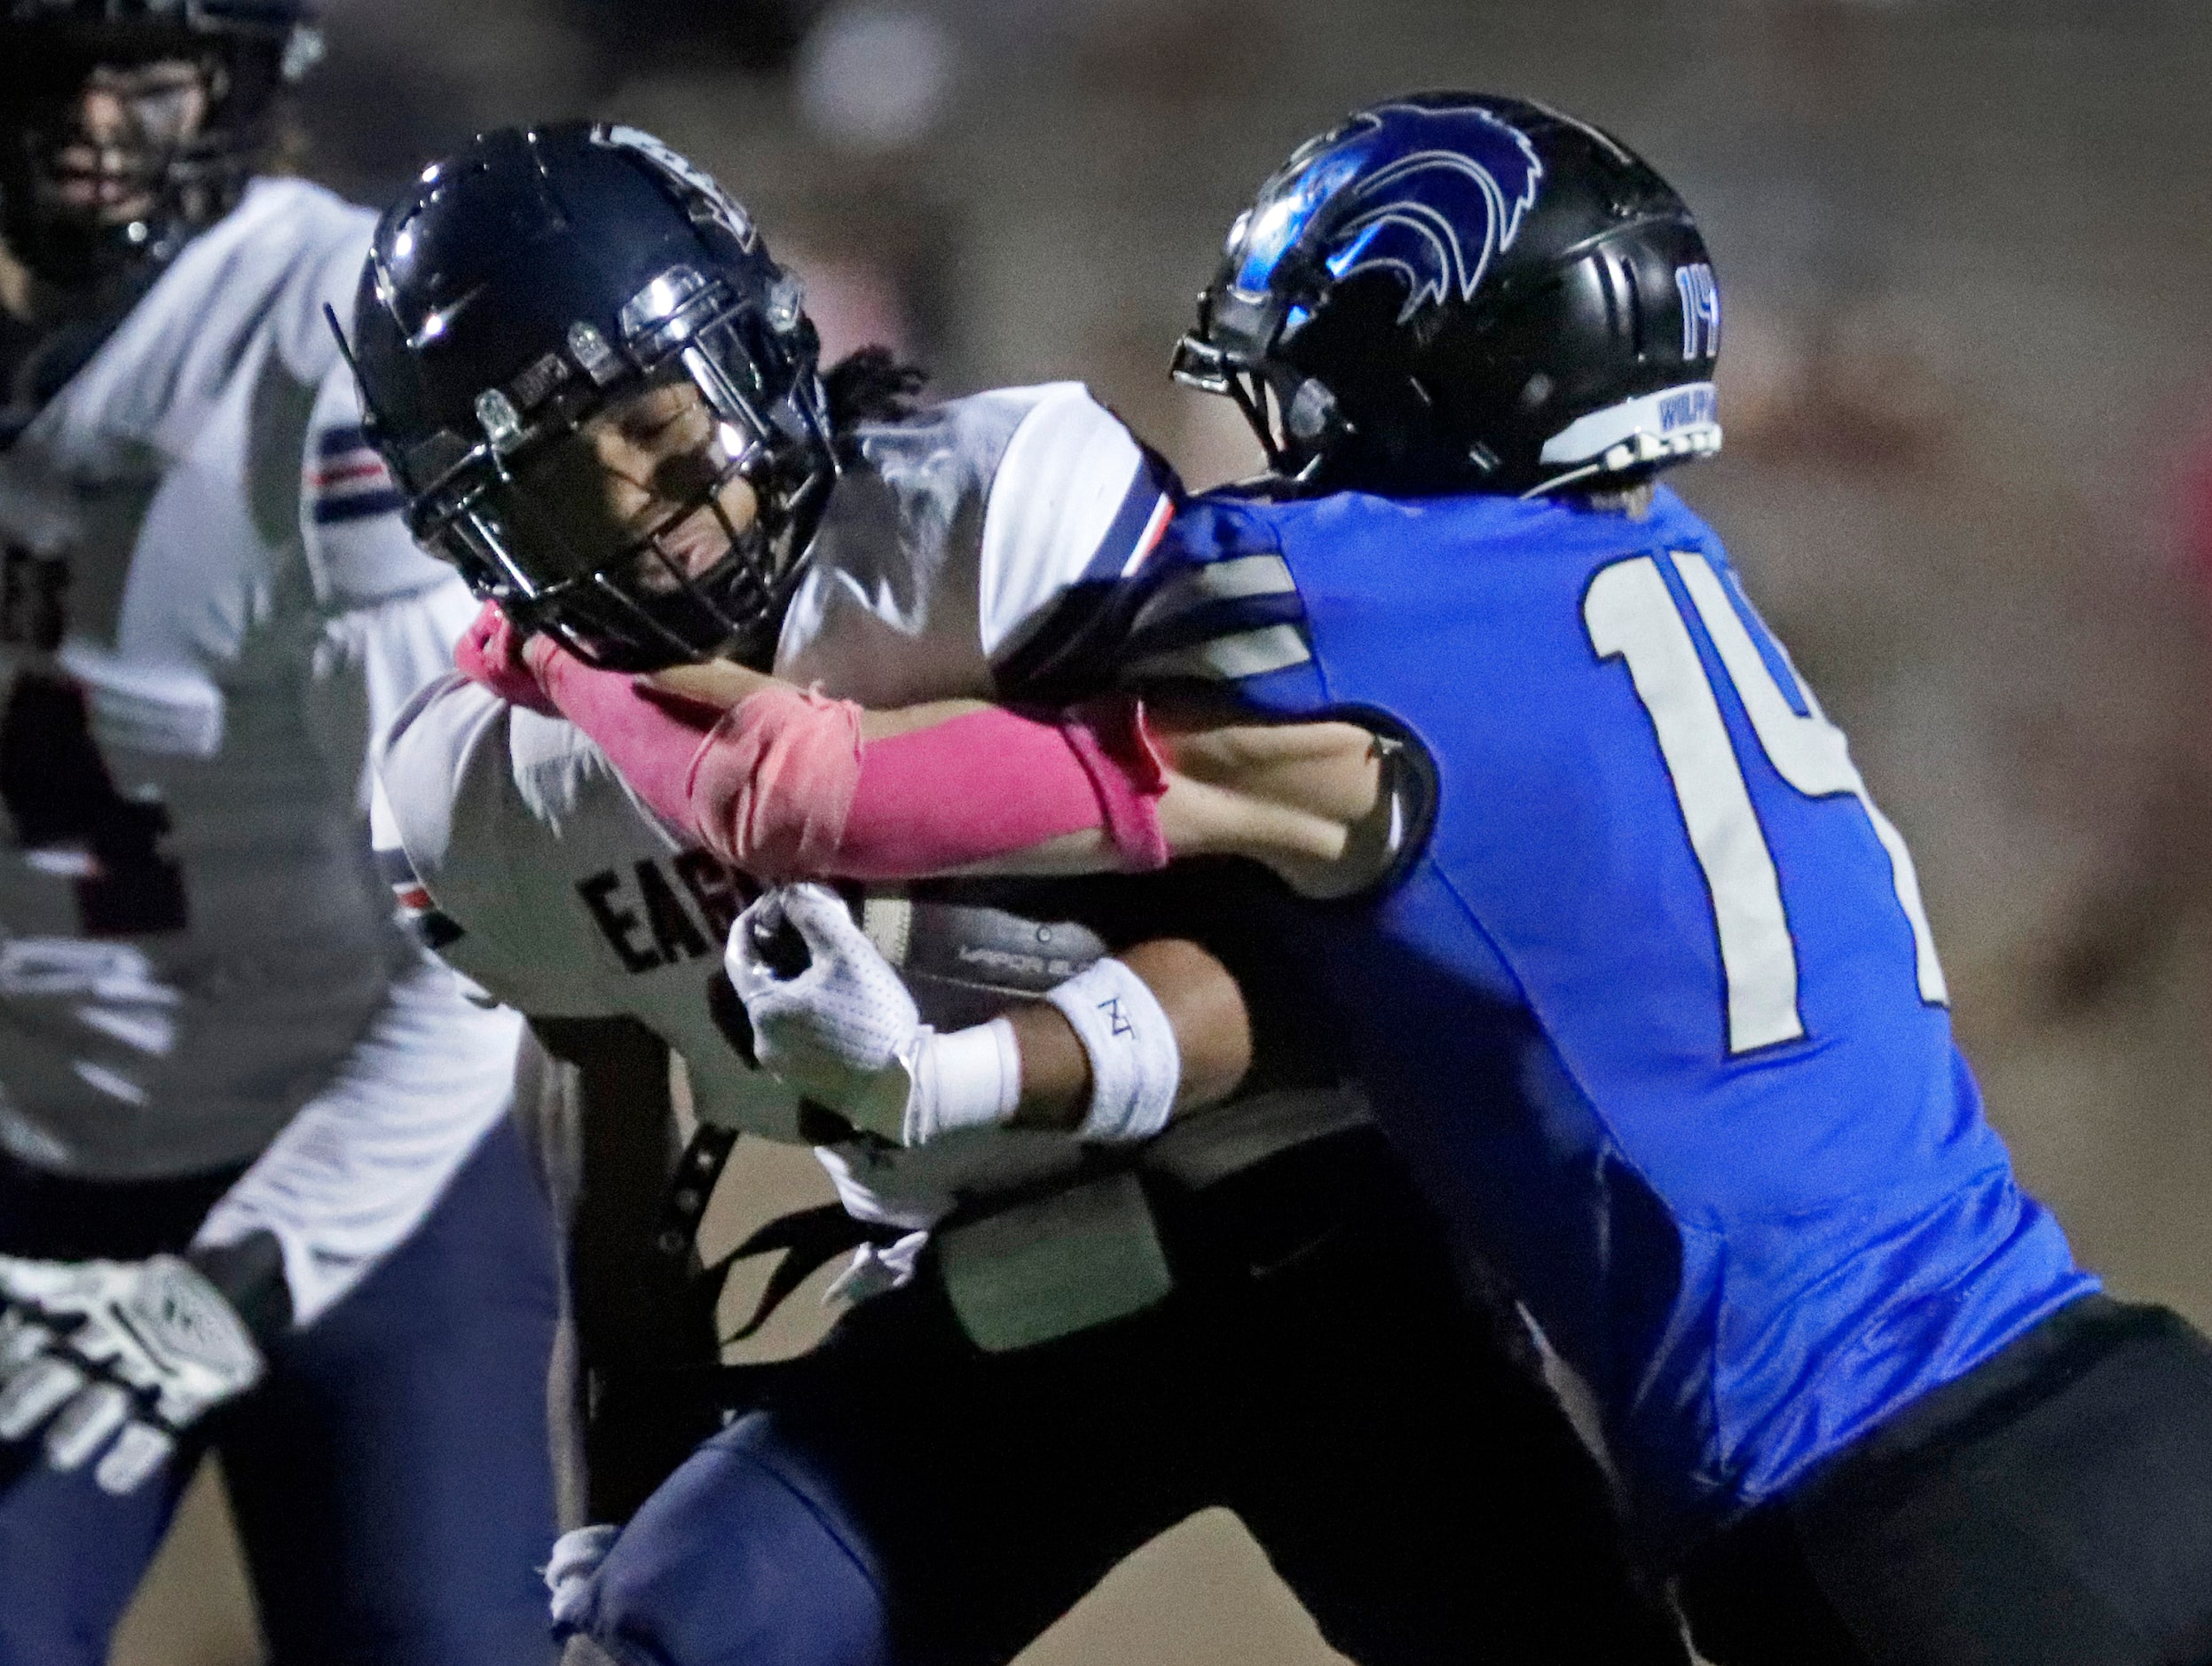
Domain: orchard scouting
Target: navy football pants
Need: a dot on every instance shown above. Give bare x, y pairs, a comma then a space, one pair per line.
391, 1478
908, 1500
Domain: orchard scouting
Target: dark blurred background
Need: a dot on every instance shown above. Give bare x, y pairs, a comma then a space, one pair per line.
1967, 383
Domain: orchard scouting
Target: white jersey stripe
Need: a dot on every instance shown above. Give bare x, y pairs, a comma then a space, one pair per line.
1228, 658
1155, 529
1194, 587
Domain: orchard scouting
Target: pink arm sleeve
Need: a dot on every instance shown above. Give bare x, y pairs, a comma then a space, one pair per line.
489, 654
782, 785
784, 788
994, 782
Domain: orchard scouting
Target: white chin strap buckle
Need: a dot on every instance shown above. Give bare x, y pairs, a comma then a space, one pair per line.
1671, 425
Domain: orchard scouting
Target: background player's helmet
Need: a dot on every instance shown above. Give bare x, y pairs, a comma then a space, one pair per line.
530, 283
247, 51
1455, 291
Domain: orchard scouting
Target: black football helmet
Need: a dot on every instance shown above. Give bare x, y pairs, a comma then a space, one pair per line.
246, 50
531, 283
1451, 292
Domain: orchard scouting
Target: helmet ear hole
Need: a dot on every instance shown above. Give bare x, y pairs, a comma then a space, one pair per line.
1312, 417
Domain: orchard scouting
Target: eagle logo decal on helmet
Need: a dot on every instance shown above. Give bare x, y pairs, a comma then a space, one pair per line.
1453, 171
708, 190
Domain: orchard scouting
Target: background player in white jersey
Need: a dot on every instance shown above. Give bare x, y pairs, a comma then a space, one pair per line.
254, 1146
1104, 1335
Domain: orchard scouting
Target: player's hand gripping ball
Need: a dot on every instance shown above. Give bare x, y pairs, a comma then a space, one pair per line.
115, 1359
840, 1028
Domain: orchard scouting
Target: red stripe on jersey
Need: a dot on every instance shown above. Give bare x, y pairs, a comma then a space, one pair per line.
1154, 530
343, 473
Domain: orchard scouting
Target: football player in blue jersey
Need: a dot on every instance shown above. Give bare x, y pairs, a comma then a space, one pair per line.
1639, 975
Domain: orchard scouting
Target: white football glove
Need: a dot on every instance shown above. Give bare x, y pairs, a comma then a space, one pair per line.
845, 1033
138, 1351
835, 1030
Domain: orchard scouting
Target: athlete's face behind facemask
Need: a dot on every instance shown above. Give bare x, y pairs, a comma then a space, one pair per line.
100, 132
104, 155
635, 490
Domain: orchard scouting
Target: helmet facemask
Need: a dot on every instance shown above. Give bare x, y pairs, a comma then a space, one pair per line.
657, 508
1269, 290
1239, 351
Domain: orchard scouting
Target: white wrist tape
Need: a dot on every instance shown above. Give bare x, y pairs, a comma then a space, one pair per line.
1135, 1064
971, 1078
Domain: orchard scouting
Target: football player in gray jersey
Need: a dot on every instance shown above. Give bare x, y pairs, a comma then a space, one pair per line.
258, 1187
1098, 1301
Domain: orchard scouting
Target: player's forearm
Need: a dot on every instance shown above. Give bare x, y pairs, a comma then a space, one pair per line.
1108, 1056
787, 784
1306, 821
1212, 1036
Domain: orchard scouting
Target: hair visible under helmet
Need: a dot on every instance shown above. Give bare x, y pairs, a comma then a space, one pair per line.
868, 385
248, 51
1451, 292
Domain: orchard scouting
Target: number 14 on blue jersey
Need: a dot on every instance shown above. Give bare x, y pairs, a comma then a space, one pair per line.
1630, 614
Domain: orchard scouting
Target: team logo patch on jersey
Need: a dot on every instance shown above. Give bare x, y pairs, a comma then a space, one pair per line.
348, 481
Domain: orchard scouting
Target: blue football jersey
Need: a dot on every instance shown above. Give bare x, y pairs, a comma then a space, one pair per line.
1655, 1011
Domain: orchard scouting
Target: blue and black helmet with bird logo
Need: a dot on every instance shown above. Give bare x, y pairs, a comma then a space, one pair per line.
1448, 291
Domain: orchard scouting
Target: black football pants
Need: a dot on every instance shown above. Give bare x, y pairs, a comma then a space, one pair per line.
2052, 1508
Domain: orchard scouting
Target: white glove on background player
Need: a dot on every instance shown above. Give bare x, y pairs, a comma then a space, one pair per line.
136, 1351
844, 1032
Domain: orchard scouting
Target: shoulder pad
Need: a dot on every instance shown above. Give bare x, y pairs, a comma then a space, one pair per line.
422, 763
959, 440
465, 796
1074, 501
259, 276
